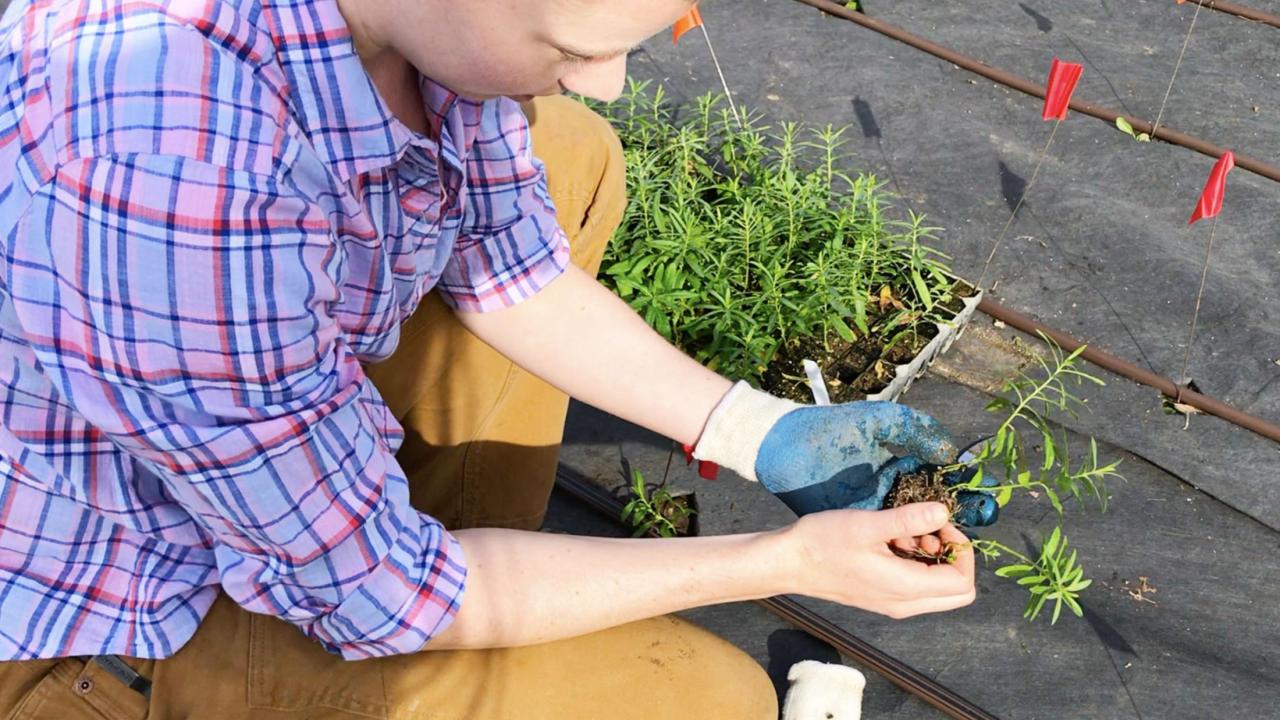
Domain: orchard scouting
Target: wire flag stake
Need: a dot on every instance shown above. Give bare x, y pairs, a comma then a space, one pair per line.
1176, 66
691, 20
1063, 77
1209, 206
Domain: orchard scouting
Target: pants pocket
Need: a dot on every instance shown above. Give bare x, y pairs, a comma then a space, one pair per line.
73, 689
290, 672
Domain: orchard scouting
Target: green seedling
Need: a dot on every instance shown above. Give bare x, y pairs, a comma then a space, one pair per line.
657, 512
1027, 402
1127, 128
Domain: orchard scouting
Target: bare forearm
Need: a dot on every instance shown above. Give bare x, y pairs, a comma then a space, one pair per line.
525, 587
583, 339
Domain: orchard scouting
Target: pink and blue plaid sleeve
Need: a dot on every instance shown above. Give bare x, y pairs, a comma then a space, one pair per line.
510, 245
181, 308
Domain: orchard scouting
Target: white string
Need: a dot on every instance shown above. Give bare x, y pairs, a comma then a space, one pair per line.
1204, 274
1181, 55
1025, 191
723, 83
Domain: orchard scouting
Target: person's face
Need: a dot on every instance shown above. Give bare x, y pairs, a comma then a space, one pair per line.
520, 48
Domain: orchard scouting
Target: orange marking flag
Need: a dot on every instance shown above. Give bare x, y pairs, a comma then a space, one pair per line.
1063, 77
1211, 197
691, 20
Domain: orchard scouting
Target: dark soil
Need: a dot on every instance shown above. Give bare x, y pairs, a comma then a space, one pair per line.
852, 370
842, 364
954, 302
876, 378
963, 289
910, 344
926, 485
681, 511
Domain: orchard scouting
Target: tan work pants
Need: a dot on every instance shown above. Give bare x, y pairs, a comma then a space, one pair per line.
481, 447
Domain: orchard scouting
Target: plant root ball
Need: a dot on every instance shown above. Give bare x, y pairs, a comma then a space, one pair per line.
925, 485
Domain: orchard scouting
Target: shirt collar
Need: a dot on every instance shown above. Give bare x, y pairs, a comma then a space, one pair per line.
335, 100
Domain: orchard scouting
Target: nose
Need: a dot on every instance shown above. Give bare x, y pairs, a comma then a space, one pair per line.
601, 80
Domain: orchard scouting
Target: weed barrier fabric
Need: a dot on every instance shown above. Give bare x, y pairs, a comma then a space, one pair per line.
1101, 249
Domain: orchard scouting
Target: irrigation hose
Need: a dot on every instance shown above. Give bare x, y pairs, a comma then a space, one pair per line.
1128, 370
904, 676
1031, 88
1241, 11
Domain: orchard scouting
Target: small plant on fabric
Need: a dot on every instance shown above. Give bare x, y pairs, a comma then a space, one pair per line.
1125, 127
1004, 465
656, 512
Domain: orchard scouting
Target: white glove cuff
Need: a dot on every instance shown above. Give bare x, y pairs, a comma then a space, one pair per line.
737, 426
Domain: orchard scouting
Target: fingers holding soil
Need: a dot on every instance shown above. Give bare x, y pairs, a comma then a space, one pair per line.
923, 545
948, 546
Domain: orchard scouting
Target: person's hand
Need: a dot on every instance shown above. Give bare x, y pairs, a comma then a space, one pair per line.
845, 556
819, 457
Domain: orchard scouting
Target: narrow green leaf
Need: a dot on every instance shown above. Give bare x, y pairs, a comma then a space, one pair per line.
1011, 570
1054, 500
1075, 606
1004, 496
842, 328
1051, 543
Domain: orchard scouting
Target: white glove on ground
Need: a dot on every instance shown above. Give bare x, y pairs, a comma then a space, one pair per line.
822, 691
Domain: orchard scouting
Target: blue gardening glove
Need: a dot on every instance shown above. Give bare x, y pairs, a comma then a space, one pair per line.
819, 457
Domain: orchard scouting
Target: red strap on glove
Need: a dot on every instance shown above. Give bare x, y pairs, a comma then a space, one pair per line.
707, 470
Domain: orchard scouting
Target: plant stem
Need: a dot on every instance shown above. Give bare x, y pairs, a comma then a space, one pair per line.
1004, 549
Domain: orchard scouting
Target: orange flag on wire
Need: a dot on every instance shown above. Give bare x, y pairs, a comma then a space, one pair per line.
691, 20
1063, 77
1211, 197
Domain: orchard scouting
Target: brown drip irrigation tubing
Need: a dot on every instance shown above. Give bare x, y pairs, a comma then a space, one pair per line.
1133, 372
1031, 88
1241, 11
896, 672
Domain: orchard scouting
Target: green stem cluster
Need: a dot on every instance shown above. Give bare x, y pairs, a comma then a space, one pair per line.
739, 240
1028, 402
655, 512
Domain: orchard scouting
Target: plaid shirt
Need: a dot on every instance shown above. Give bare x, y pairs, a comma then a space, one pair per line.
208, 220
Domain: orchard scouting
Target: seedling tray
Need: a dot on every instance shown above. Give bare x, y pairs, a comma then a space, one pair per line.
866, 369
904, 374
